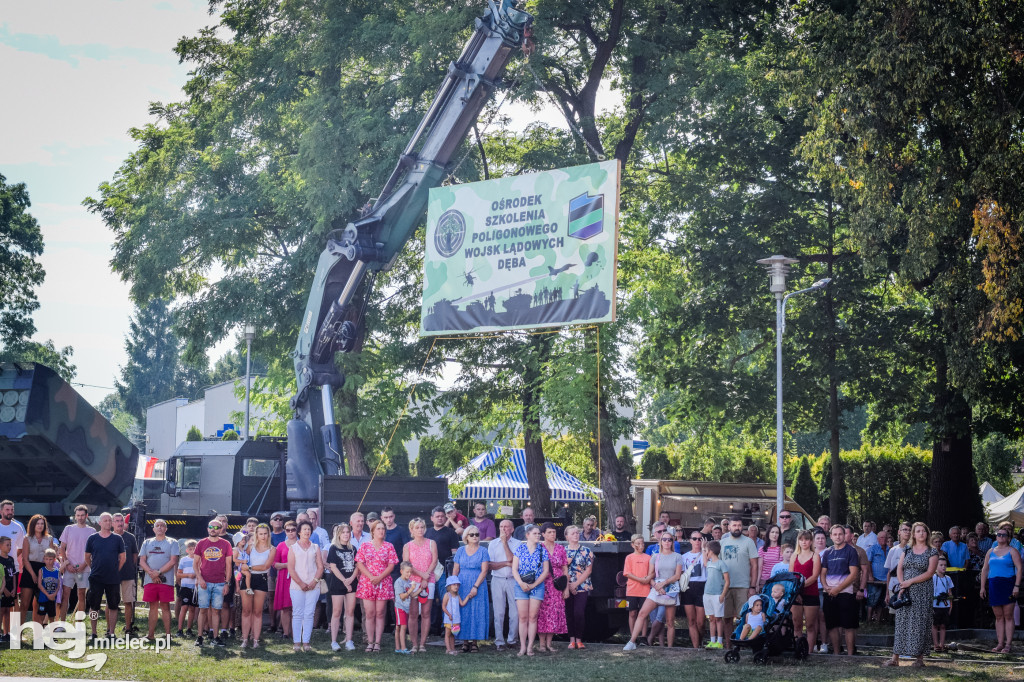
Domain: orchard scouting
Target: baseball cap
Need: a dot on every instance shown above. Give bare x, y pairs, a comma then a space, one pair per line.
449, 506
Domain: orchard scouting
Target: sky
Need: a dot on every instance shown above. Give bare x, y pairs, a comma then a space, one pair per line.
77, 76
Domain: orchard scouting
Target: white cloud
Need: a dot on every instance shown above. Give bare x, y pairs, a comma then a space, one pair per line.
132, 24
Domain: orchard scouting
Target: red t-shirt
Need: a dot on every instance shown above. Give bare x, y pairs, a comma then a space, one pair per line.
213, 553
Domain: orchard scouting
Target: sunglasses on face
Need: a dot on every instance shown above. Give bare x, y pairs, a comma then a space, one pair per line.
696, 539
290, 530
1002, 535
666, 539
213, 527
472, 535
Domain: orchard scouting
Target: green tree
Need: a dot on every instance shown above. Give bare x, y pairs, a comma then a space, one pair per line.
21, 245
59, 360
805, 491
155, 370
194, 434
995, 458
626, 461
230, 434
655, 464
112, 408
925, 137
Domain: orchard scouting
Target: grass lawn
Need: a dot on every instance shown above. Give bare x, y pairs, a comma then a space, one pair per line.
277, 662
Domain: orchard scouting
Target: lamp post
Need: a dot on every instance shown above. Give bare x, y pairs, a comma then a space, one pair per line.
778, 267
250, 334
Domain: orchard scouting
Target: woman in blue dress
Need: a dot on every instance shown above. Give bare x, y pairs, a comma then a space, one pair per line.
471, 566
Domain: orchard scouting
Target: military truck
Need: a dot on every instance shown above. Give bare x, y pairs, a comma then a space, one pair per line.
57, 450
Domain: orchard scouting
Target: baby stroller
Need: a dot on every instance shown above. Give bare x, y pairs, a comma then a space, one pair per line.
777, 635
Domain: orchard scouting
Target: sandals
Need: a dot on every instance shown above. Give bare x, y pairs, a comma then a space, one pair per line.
369, 648
307, 648
376, 648
296, 648
889, 663
473, 648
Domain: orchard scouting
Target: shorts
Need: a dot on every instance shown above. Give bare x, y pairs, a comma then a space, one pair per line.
401, 616
211, 597
635, 603
657, 615
26, 581
94, 597
158, 593
430, 590
693, 595
129, 590
229, 598
841, 611
336, 588
536, 593
47, 608
735, 598
713, 606
258, 582
79, 580
875, 595
7, 602
940, 616
187, 595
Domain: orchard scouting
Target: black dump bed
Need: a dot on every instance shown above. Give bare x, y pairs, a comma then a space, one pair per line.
57, 450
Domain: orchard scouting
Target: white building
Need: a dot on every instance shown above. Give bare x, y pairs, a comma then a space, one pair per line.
168, 423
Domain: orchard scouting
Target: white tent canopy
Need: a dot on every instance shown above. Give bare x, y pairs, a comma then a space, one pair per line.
989, 494
512, 484
1010, 508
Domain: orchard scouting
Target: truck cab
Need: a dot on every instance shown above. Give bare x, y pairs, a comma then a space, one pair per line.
233, 477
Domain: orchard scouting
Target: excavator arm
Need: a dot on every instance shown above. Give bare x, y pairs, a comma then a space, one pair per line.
373, 241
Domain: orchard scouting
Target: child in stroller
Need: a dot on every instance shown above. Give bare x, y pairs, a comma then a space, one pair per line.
771, 610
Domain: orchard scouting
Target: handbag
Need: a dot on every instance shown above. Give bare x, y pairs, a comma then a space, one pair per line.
671, 590
323, 586
562, 581
684, 580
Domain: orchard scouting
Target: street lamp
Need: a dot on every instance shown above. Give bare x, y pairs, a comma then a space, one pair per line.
250, 334
778, 267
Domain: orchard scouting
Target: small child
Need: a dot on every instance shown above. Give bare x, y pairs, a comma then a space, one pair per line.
942, 604
186, 575
753, 624
49, 588
635, 571
451, 606
241, 560
7, 588
778, 598
783, 565
404, 589
715, 589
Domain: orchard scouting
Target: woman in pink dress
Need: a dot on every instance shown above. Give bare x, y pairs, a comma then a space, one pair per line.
421, 552
374, 561
283, 600
551, 619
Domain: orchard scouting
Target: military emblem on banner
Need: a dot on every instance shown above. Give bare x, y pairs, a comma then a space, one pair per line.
586, 215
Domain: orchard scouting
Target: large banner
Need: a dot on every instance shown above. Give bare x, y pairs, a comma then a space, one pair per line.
522, 252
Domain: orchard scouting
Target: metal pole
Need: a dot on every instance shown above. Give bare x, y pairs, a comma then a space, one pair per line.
248, 365
780, 321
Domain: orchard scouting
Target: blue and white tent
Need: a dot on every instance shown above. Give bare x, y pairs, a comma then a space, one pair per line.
512, 484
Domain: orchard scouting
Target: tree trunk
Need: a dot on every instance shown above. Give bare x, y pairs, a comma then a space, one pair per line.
614, 482
954, 498
536, 471
835, 503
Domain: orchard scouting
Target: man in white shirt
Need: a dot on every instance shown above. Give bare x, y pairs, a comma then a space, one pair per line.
359, 536
499, 553
320, 536
11, 528
868, 537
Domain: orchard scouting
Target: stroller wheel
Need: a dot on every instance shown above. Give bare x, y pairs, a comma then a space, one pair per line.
761, 657
802, 649
732, 656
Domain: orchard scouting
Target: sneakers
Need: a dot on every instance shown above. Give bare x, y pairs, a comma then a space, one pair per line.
218, 642
716, 645
350, 646
630, 646
642, 641
824, 648
335, 646
181, 634
199, 640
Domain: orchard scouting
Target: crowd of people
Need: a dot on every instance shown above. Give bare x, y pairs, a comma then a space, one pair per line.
522, 582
